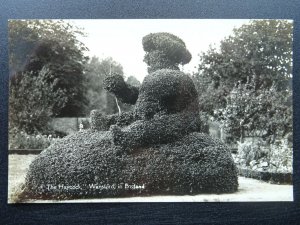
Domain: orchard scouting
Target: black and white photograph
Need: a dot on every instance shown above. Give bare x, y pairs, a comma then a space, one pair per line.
150, 110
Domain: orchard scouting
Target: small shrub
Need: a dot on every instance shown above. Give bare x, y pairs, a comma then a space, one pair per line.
250, 150
257, 155
281, 156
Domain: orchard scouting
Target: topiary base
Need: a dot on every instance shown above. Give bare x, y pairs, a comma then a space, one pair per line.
87, 165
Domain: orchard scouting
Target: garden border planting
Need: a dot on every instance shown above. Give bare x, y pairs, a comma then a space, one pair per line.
272, 177
25, 151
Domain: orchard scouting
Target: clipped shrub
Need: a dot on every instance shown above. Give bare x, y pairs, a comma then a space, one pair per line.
87, 165
159, 130
162, 152
166, 91
125, 92
164, 50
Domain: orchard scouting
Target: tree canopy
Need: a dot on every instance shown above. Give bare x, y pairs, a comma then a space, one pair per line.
36, 46
96, 71
255, 62
26, 35
261, 50
133, 81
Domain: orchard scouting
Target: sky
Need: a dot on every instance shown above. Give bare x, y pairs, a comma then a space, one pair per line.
121, 39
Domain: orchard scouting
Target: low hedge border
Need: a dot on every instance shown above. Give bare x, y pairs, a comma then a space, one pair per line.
272, 177
25, 151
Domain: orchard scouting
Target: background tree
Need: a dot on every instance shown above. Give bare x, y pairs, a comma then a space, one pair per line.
47, 55
98, 98
265, 112
31, 104
256, 60
261, 50
133, 81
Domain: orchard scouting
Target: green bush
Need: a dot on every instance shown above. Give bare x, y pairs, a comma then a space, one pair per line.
32, 102
257, 155
249, 151
281, 156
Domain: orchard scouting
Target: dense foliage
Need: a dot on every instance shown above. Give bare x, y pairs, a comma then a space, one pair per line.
246, 83
264, 112
261, 51
91, 166
33, 102
133, 81
115, 83
47, 54
258, 155
164, 51
98, 98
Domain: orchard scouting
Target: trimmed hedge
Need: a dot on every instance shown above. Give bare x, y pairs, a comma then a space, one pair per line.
272, 177
164, 50
126, 93
169, 44
73, 167
166, 92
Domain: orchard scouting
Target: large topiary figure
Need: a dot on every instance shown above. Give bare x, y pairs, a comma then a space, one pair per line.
166, 105
155, 149
165, 110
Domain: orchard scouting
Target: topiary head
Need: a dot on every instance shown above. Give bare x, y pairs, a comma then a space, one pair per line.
164, 51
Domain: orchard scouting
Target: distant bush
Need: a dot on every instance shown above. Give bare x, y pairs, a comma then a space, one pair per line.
257, 155
281, 156
250, 151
